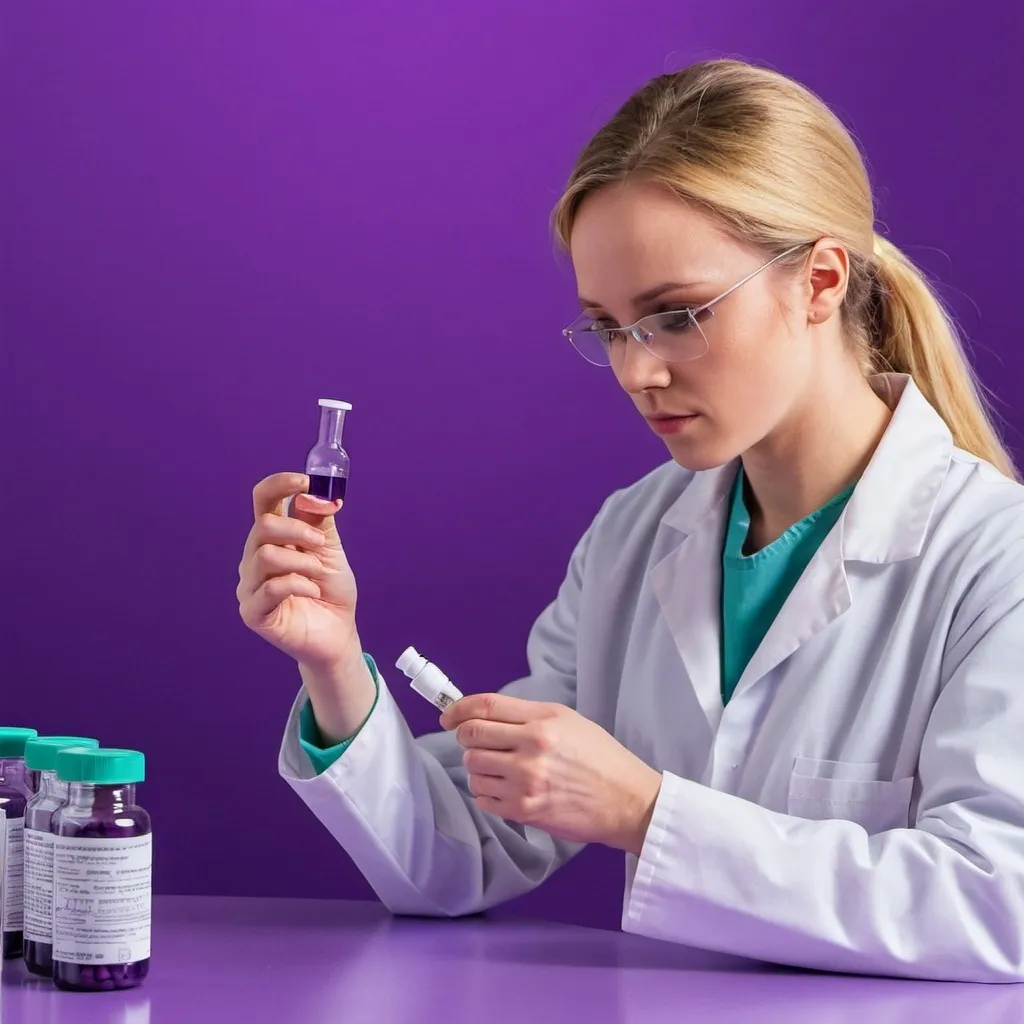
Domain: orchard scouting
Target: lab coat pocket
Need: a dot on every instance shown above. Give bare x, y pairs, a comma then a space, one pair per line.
850, 790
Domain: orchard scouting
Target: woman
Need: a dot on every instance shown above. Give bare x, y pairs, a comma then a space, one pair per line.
785, 670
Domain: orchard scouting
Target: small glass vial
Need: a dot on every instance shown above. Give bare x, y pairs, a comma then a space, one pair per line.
327, 462
14, 794
41, 758
102, 846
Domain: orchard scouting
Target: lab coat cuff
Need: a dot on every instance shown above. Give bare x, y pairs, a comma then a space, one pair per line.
694, 830
641, 876
296, 762
311, 741
702, 850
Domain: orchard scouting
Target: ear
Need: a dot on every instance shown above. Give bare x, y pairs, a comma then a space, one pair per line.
828, 274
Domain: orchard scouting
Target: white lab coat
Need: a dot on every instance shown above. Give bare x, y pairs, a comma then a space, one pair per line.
859, 803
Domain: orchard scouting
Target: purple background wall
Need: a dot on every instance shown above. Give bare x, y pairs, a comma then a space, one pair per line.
214, 213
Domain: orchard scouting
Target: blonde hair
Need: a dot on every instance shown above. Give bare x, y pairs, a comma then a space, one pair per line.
769, 160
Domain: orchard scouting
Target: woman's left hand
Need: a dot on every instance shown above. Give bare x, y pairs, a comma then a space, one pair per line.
546, 765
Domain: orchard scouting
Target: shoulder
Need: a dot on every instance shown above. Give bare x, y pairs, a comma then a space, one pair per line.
977, 534
978, 537
981, 504
636, 511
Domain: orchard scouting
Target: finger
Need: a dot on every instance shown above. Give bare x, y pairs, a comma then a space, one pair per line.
275, 529
495, 707
271, 494
315, 506
269, 560
491, 786
255, 609
315, 511
481, 761
489, 735
499, 808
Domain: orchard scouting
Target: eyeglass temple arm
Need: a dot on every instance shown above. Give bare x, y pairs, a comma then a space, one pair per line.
749, 277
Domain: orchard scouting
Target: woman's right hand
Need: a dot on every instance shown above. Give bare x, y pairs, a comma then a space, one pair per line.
295, 586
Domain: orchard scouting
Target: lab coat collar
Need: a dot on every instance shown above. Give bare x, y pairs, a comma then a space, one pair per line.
884, 520
887, 516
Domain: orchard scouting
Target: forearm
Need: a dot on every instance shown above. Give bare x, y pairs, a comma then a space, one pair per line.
341, 694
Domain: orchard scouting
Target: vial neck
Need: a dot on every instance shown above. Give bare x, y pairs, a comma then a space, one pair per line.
50, 785
12, 773
331, 423
101, 798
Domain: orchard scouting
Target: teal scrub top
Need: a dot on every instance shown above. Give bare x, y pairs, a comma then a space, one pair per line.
755, 586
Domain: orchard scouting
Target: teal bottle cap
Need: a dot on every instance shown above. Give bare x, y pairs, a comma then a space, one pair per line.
41, 751
104, 766
12, 741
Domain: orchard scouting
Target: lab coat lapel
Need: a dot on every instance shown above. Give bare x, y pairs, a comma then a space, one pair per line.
821, 594
885, 520
687, 583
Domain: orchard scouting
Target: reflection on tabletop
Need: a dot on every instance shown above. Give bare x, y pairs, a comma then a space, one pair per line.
298, 961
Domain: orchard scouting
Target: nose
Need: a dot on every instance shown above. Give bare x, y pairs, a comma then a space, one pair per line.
639, 368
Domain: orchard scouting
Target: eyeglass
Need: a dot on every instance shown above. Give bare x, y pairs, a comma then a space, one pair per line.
675, 335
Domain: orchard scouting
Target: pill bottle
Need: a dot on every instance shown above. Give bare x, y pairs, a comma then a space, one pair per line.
14, 794
41, 758
102, 851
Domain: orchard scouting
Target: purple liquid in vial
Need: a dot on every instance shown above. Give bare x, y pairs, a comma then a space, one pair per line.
100, 811
330, 488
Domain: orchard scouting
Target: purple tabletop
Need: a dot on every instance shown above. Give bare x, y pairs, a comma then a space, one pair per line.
264, 961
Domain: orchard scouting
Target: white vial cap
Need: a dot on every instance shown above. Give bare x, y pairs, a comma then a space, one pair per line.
409, 662
427, 679
333, 403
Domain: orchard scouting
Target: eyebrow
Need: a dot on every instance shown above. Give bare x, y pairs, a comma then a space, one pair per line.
644, 297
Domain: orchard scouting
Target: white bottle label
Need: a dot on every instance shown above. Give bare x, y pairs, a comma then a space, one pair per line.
14, 876
38, 886
102, 899
3, 861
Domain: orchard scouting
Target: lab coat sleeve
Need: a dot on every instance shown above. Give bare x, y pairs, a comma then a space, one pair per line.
401, 808
941, 900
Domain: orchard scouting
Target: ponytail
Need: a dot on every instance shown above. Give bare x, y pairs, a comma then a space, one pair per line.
914, 334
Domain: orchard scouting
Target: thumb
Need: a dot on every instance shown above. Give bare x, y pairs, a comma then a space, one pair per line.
318, 514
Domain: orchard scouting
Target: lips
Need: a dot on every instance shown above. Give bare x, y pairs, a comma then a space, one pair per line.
668, 424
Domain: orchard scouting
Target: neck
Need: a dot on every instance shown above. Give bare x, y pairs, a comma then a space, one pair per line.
821, 448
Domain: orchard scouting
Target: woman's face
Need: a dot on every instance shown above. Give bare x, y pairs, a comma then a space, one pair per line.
632, 238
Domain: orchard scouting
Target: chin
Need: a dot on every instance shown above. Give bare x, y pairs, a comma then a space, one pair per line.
698, 457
